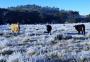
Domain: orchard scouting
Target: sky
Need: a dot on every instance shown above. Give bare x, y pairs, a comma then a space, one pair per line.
76, 5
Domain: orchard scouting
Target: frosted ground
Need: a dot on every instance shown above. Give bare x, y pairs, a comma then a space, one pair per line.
32, 44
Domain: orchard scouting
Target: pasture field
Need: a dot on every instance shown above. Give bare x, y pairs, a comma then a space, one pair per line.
32, 44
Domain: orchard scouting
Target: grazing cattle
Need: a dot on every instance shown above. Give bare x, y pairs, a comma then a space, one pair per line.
15, 27
49, 28
80, 28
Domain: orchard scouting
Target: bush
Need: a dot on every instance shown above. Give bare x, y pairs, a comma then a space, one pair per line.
59, 37
63, 37
6, 52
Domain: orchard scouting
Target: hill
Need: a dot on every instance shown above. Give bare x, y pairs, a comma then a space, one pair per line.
33, 14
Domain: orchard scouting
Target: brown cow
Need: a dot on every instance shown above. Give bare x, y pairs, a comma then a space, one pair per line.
80, 28
15, 27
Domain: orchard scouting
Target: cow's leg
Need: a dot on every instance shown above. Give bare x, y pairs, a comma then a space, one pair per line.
50, 33
82, 32
78, 32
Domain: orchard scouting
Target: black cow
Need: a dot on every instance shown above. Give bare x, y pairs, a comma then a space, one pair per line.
80, 28
49, 28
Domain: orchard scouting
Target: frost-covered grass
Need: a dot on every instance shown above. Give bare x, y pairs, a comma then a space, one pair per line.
32, 44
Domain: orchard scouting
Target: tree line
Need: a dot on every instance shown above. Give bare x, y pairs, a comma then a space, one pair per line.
33, 14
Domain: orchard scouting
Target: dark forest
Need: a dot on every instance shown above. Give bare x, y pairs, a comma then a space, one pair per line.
34, 14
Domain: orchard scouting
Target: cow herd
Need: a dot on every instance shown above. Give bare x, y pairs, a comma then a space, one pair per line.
80, 28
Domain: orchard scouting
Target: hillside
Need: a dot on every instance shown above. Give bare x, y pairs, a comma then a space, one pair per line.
33, 14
